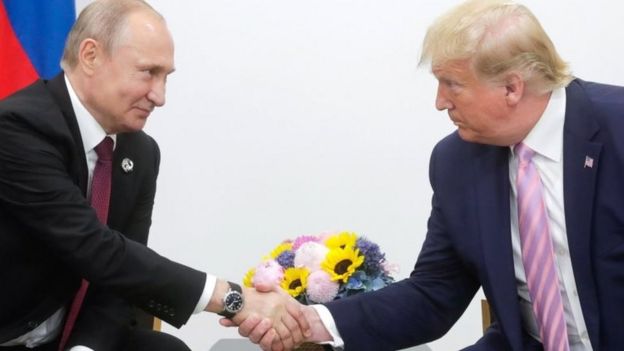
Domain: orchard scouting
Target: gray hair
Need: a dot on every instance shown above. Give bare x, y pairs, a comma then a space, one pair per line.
103, 21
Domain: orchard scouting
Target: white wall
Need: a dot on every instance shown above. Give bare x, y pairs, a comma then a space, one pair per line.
287, 117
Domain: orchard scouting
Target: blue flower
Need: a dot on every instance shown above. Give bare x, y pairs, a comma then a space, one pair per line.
372, 254
376, 284
356, 281
286, 259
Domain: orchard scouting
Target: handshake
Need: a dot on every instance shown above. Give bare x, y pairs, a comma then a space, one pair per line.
268, 316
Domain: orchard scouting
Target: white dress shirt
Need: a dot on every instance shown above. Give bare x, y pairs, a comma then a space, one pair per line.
92, 134
546, 139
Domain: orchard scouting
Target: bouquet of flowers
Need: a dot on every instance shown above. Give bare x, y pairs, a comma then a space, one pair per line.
322, 268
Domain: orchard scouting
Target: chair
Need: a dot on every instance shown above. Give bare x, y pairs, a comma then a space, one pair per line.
487, 317
145, 320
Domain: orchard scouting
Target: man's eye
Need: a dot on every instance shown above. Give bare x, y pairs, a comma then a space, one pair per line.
454, 85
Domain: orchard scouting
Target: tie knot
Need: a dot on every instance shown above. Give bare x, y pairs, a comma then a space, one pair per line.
104, 149
524, 153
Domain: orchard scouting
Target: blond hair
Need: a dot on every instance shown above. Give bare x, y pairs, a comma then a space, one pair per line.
103, 21
497, 37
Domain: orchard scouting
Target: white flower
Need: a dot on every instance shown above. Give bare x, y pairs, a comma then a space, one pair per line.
310, 255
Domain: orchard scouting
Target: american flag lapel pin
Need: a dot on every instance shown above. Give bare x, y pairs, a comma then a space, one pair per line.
589, 162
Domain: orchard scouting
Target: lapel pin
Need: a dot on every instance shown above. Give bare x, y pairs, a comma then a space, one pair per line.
589, 162
127, 165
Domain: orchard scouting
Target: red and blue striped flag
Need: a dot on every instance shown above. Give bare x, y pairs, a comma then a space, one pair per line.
32, 37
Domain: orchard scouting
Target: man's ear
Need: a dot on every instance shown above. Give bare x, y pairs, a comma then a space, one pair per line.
514, 88
89, 56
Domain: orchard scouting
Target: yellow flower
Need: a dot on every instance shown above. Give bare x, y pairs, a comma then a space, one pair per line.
341, 240
341, 263
295, 281
248, 279
285, 246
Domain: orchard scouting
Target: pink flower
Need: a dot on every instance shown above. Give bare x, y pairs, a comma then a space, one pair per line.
269, 273
302, 240
390, 268
321, 288
310, 255
326, 234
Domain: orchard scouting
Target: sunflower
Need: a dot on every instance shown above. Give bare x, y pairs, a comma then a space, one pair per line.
341, 263
248, 279
295, 281
285, 246
341, 240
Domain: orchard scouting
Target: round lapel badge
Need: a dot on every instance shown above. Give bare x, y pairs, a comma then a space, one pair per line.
127, 165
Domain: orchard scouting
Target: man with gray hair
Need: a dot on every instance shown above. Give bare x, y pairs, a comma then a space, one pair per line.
528, 201
77, 185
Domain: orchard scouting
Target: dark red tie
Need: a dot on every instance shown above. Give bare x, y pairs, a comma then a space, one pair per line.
100, 198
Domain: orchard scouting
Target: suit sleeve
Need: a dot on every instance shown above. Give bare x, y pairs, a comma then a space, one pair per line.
418, 309
38, 191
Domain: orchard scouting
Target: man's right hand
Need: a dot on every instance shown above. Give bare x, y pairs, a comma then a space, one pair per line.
271, 316
260, 331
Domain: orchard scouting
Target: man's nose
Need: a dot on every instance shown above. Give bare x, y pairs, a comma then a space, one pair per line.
157, 94
441, 102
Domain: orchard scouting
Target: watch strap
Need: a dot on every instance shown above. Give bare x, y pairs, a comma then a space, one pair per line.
233, 288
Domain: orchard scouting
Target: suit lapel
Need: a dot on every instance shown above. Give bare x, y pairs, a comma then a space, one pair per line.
58, 89
579, 182
124, 187
121, 179
491, 174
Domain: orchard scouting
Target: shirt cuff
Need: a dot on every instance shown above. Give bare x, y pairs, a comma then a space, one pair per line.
330, 325
204, 299
80, 348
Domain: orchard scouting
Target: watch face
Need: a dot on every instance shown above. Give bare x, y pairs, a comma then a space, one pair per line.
233, 302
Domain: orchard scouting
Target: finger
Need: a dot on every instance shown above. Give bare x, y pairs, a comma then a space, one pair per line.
263, 287
277, 344
293, 327
226, 322
259, 331
270, 341
248, 325
295, 310
284, 334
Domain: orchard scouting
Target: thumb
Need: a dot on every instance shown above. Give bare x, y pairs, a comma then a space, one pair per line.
226, 322
263, 287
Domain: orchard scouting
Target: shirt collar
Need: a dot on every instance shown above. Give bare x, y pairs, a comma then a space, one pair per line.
546, 137
91, 131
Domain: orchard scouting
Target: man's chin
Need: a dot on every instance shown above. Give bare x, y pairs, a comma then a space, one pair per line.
136, 126
465, 135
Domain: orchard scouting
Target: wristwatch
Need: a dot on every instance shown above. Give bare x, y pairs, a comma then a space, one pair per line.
233, 301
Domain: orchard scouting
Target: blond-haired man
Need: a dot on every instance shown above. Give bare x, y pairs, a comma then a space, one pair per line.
528, 201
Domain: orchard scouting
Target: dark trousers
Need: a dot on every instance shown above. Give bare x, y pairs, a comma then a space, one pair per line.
138, 340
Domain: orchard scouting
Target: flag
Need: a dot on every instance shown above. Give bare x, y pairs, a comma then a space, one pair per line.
589, 162
32, 37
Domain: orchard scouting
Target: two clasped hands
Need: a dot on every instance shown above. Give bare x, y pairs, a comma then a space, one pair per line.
275, 321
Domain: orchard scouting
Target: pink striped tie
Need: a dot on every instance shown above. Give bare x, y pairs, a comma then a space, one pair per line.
538, 254
100, 198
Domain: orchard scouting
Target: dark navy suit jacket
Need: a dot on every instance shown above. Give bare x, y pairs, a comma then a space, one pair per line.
468, 243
